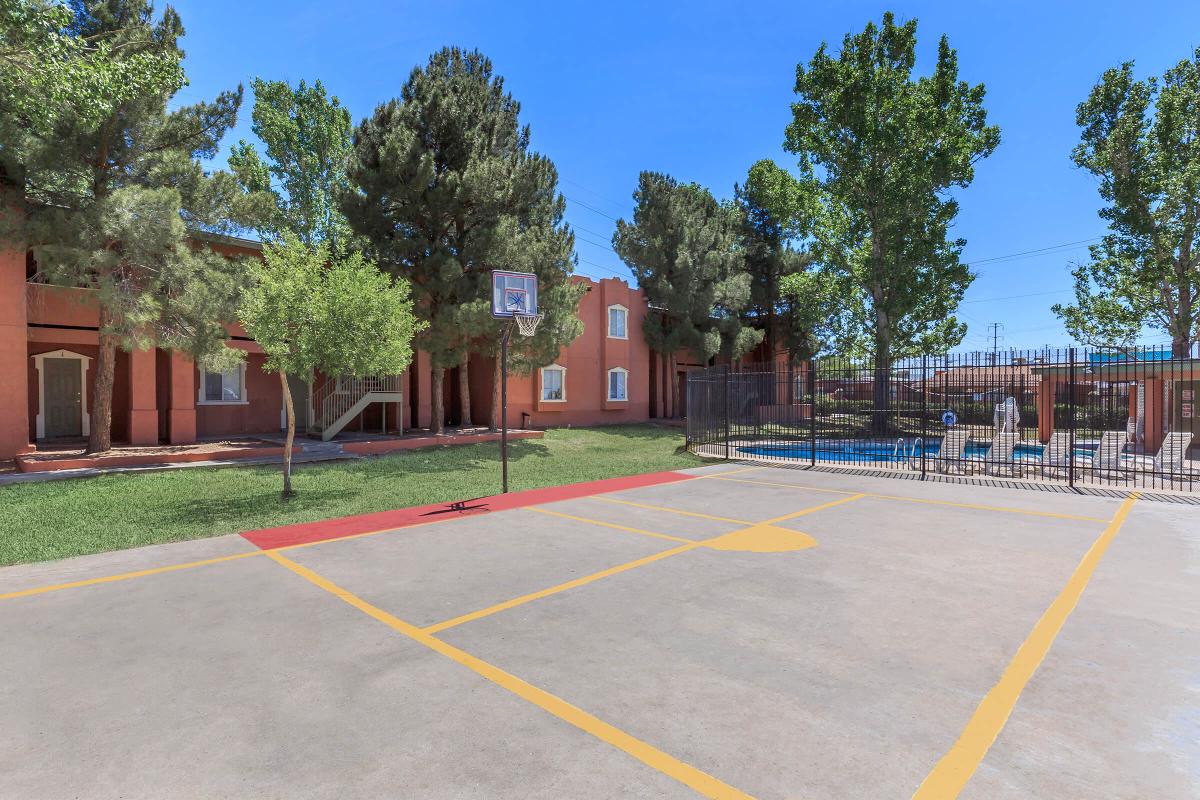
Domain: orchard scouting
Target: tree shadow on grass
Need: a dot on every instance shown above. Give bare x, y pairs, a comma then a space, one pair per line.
262, 506
443, 461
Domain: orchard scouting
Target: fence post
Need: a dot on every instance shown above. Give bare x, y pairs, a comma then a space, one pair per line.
728, 368
1071, 412
812, 412
924, 410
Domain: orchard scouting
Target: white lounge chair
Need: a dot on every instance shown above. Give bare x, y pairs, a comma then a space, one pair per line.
1171, 455
1007, 416
951, 454
1131, 430
1106, 462
1002, 456
1056, 455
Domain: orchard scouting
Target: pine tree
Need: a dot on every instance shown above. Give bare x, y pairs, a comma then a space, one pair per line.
110, 203
682, 247
805, 308
768, 257
446, 189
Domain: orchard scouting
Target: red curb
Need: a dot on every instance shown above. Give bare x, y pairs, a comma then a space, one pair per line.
341, 527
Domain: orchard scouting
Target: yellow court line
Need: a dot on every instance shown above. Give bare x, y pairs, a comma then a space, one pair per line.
649, 755
729, 472
926, 501
821, 507
127, 575
670, 510
612, 525
958, 765
562, 587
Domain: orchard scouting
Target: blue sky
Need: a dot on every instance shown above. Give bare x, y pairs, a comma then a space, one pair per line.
703, 90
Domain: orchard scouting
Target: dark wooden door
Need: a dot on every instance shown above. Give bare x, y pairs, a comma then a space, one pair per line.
64, 398
299, 388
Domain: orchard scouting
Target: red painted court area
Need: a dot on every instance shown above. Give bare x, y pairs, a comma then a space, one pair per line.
308, 532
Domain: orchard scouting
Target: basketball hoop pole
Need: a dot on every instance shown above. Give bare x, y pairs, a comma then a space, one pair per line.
504, 406
514, 299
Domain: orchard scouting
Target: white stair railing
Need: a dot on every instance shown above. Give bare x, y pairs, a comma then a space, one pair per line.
338, 396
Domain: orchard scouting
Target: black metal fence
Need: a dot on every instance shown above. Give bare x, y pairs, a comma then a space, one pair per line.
1076, 416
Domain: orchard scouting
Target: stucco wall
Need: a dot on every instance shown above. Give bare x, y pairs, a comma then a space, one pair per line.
55, 317
587, 361
259, 414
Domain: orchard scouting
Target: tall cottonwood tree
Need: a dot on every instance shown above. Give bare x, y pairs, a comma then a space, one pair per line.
446, 189
306, 135
48, 72
1142, 140
881, 150
111, 201
682, 246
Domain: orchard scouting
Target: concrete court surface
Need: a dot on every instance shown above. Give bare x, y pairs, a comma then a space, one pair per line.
875, 639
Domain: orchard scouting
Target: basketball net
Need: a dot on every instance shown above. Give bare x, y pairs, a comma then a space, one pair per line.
527, 324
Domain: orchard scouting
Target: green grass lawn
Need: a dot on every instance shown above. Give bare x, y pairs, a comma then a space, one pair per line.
55, 519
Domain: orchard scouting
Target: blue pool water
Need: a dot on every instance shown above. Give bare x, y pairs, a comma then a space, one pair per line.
858, 451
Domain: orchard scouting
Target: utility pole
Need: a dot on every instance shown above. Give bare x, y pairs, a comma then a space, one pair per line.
996, 328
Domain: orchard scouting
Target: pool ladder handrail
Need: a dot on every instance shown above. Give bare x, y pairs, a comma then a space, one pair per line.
911, 455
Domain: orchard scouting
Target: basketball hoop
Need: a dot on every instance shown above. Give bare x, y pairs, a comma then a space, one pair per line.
527, 324
514, 297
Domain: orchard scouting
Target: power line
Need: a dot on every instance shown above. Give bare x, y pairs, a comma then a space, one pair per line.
1017, 296
1013, 256
593, 209
586, 230
599, 266
579, 238
592, 192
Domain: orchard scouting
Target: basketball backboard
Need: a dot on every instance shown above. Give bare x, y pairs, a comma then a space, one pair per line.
514, 294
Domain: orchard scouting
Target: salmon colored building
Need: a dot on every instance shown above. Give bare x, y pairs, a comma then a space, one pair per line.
49, 344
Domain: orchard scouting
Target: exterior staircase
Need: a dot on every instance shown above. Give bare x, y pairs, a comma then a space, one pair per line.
341, 400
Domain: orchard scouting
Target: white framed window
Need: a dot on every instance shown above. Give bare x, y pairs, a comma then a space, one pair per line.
554, 384
618, 317
228, 387
617, 384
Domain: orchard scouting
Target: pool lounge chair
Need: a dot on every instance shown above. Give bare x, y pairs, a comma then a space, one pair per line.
1001, 456
1171, 455
1056, 455
951, 455
1106, 462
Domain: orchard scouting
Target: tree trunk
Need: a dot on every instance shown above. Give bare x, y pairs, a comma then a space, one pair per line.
673, 377
494, 423
100, 434
438, 407
665, 383
1181, 336
882, 396
291, 436
464, 393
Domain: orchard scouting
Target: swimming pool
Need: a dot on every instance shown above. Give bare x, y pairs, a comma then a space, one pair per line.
876, 451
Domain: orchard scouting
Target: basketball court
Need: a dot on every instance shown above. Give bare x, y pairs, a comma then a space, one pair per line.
727, 632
